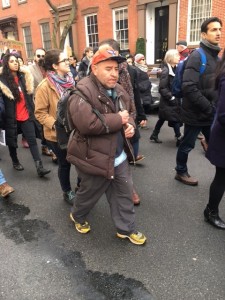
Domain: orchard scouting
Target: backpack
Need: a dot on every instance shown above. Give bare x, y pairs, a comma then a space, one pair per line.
63, 124
177, 81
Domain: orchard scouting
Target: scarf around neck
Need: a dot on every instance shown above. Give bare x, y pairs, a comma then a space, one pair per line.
211, 46
143, 68
60, 83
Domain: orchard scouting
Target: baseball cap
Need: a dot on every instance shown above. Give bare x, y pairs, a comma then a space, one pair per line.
184, 43
106, 53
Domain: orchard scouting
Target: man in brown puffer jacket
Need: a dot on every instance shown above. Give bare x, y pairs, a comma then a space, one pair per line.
99, 147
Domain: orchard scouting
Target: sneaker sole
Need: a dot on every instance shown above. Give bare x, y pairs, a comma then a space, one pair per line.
186, 182
72, 219
8, 193
123, 236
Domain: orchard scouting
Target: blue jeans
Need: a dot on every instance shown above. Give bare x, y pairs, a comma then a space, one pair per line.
2, 178
188, 143
63, 166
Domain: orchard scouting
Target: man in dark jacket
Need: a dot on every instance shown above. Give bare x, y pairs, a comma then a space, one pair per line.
199, 96
85, 62
182, 49
97, 147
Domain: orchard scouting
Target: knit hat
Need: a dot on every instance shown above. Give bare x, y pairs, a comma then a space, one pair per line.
138, 57
106, 53
183, 43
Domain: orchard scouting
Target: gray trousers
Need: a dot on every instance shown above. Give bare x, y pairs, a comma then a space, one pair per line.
118, 193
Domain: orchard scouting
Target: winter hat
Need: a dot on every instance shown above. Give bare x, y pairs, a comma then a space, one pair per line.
183, 43
138, 57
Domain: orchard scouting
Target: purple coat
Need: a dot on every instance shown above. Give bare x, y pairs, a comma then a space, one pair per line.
216, 148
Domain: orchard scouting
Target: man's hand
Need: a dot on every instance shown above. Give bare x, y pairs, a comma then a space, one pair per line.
129, 131
143, 123
124, 115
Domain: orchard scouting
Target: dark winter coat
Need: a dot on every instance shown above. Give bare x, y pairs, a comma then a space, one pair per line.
2, 111
91, 148
199, 95
216, 146
169, 110
83, 67
10, 122
145, 86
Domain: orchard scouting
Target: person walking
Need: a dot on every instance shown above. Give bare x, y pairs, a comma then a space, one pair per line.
199, 96
38, 72
216, 153
169, 105
48, 93
182, 49
16, 90
85, 62
97, 147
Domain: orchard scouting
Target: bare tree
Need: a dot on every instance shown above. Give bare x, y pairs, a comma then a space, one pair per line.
58, 39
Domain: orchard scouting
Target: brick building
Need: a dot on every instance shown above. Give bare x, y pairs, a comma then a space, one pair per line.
161, 23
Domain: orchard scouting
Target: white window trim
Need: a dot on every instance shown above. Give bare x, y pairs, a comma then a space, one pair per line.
114, 21
5, 3
189, 24
86, 31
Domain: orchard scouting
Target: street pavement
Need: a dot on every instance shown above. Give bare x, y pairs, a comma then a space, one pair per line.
43, 257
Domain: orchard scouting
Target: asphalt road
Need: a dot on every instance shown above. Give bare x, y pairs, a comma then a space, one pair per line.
43, 257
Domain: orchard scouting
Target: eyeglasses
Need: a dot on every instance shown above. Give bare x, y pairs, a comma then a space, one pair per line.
63, 60
40, 56
143, 59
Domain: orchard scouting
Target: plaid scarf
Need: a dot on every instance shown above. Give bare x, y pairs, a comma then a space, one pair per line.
60, 83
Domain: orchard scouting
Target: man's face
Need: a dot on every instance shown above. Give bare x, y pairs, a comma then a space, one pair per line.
107, 72
213, 33
39, 55
89, 54
180, 48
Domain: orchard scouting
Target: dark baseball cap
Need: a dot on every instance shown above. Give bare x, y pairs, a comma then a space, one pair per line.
184, 43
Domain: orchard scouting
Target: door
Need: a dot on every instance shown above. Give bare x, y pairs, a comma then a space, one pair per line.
161, 32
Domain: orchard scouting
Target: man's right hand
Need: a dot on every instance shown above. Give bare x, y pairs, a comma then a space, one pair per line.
124, 115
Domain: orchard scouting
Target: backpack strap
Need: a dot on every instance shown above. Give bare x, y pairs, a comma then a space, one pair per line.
203, 60
95, 110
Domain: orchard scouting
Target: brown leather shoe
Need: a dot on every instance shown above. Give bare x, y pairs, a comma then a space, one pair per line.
135, 198
186, 179
5, 189
46, 151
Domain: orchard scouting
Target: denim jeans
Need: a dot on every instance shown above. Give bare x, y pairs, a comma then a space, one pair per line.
188, 143
2, 178
63, 166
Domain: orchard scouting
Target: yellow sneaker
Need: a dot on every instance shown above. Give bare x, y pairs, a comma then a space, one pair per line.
82, 228
136, 238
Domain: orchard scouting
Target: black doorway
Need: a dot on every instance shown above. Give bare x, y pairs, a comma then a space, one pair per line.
161, 32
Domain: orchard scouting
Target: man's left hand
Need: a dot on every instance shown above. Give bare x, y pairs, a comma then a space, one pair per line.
129, 131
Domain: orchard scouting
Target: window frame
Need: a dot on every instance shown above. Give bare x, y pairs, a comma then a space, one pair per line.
6, 5
29, 52
115, 34
198, 20
44, 42
95, 34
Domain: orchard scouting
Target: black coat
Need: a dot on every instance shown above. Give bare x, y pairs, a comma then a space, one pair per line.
199, 95
10, 122
168, 110
144, 85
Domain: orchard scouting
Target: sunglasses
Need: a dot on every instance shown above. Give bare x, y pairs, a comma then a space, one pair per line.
63, 60
40, 56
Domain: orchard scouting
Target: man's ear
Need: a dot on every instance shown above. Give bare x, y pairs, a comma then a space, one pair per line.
94, 69
203, 35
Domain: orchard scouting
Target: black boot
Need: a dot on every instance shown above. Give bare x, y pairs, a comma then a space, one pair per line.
154, 137
213, 218
40, 169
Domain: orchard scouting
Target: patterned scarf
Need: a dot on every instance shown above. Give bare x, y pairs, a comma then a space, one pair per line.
60, 83
124, 79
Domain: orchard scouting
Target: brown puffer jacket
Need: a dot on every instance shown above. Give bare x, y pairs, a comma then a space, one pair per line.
90, 147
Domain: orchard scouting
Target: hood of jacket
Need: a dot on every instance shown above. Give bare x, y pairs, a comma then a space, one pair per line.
29, 83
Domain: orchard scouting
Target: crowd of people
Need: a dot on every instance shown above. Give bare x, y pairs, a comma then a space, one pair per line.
114, 97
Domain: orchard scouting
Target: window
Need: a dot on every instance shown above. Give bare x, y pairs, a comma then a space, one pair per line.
199, 11
5, 3
28, 41
120, 17
46, 37
22, 1
91, 23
